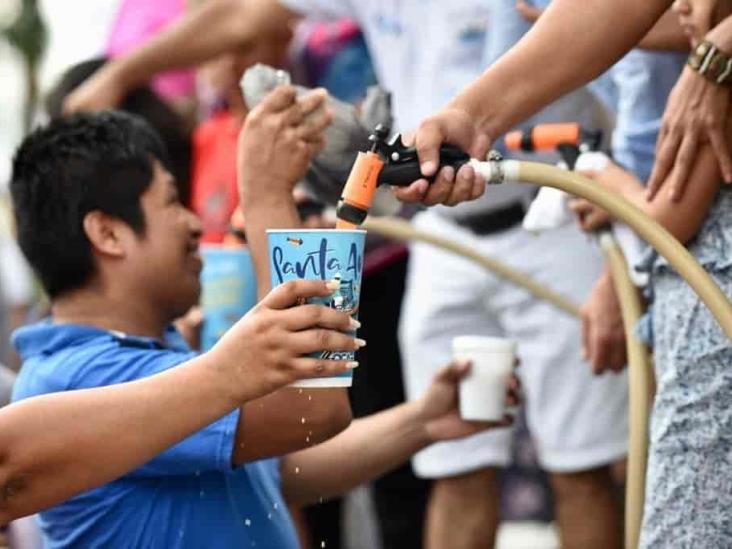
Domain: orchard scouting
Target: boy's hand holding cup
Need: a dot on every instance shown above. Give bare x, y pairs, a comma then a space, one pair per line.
268, 347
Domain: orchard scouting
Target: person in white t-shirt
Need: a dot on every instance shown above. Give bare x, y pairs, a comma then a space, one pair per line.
425, 52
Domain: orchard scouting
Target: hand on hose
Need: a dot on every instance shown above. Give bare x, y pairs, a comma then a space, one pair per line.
603, 336
438, 407
590, 216
455, 126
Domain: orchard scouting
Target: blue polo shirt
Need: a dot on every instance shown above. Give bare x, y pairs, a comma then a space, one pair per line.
189, 496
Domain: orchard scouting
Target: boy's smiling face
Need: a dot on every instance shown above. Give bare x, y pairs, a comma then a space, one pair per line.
165, 260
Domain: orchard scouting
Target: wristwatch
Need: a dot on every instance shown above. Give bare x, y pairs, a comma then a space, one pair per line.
712, 63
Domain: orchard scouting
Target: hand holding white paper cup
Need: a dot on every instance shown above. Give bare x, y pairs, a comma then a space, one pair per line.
482, 392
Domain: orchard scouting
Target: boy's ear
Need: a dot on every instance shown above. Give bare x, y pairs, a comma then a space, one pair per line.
106, 234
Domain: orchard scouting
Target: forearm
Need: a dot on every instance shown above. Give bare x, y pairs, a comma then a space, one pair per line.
666, 35
531, 75
214, 28
289, 420
369, 448
55, 446
682, 219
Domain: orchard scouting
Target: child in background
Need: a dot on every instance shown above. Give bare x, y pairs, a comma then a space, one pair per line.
143, 102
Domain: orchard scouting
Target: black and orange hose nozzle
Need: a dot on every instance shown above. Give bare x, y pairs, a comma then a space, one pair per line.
387, 163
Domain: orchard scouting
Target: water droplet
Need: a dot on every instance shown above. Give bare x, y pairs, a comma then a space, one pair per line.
180, 533
269, 516
299, 391
276, 505
322, 544
310, 397
307, 439
297, 470
247, 522
320, 499
201, 494
302, 420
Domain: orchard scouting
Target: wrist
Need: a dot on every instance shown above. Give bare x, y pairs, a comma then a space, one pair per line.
711, 62
417, 418
226, 381
272, 194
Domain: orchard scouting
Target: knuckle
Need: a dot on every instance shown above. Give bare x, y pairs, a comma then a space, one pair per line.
322, 337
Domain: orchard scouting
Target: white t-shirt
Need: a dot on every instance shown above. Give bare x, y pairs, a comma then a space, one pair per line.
424, 52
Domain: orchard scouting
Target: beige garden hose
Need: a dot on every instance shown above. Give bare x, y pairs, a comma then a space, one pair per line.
641, 387
399, 229
496, 170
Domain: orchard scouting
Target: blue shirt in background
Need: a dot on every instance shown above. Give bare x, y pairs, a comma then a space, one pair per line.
189, 496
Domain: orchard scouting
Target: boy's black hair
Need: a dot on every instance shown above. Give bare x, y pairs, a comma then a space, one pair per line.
143, 102
69, 168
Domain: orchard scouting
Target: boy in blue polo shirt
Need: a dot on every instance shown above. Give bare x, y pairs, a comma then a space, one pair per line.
100, 222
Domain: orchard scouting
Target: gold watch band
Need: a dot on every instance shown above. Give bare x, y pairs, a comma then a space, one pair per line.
712, 63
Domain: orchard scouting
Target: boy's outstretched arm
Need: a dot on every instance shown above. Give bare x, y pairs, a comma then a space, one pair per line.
376, 444
55, 446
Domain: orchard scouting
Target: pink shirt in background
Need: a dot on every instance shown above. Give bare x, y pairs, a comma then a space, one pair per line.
137, 22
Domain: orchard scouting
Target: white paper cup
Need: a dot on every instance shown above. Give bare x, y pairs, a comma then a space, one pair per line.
482, 391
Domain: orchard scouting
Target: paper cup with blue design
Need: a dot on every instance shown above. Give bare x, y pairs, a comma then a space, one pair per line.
321, 254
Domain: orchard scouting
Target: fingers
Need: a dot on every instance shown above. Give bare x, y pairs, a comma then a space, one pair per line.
462, 190
427, 141
312, 101
721, 151
453, 372
302, 107
306, 367
308, 316
683, 164
530, 13
414, 193
279, 99
668, 144
586, 325
513, 391
320, 339
313, 126
291, 293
